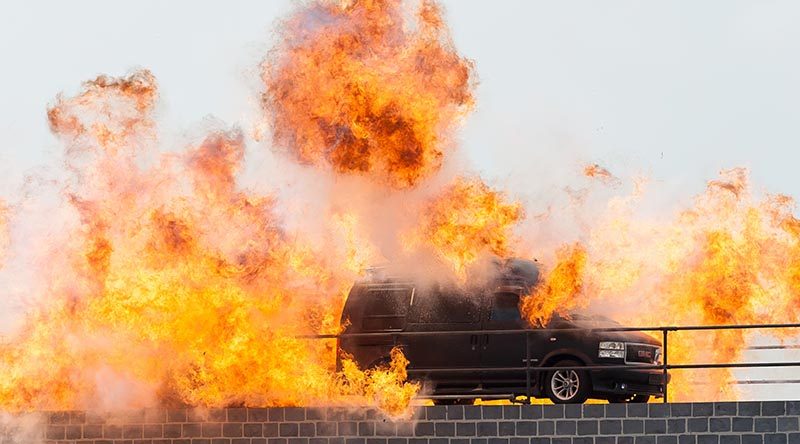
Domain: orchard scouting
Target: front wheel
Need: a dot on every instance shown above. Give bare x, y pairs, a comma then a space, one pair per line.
568, 386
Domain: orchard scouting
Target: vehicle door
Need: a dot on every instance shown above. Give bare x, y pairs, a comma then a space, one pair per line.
439, 311
381, 309
503, 349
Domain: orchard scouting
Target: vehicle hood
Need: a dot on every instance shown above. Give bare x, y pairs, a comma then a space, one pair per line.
589, 322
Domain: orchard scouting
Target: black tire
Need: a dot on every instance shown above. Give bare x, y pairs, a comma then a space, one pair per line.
568, 386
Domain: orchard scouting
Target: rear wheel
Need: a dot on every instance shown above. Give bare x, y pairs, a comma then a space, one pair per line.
568, 386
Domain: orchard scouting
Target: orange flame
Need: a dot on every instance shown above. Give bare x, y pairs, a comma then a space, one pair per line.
110, 112
380, 384
466, 222
178, 285
561, 290
596, 171
172, 284
363, 88
728, 259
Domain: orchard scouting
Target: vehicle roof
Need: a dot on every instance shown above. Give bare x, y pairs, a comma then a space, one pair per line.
512, 272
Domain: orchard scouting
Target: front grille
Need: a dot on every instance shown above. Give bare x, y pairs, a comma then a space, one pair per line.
641, 353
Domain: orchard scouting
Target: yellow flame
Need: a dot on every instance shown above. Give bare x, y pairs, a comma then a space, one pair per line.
466, 222
727, 259
561, 290
365, 88
179, 281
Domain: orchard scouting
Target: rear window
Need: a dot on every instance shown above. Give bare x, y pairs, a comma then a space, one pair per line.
386, 309
445, 308
505, 307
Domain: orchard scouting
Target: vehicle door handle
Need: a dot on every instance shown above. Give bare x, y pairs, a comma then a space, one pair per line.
473, 341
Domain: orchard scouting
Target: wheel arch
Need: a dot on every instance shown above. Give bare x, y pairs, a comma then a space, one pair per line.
560, 355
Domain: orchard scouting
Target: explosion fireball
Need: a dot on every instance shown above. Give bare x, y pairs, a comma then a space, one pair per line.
562, 289
365, 89
174, 281
467, 222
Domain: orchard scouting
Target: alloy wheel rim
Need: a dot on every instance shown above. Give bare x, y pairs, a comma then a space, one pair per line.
565, 384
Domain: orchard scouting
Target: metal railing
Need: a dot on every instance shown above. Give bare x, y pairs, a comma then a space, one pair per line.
664, 366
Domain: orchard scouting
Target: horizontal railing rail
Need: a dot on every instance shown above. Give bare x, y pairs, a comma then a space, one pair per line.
775, 347
529, 369
546, 330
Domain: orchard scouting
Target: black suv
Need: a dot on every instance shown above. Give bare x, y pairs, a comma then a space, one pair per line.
467, 342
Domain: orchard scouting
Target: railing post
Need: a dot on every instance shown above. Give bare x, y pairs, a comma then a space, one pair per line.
528, 365
664, 332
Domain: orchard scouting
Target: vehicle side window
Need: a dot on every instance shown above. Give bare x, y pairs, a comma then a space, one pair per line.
505, 307
446, 308
385, 309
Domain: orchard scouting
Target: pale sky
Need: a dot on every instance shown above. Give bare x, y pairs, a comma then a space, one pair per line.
675, 89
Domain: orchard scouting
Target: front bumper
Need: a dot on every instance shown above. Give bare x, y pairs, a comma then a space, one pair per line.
629, 382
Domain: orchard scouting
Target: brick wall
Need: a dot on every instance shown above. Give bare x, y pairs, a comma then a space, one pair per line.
691, 423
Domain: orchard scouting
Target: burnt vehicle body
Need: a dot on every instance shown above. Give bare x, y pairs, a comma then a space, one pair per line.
466, 343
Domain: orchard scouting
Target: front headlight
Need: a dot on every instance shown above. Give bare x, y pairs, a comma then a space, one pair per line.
611, 349
611, 354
